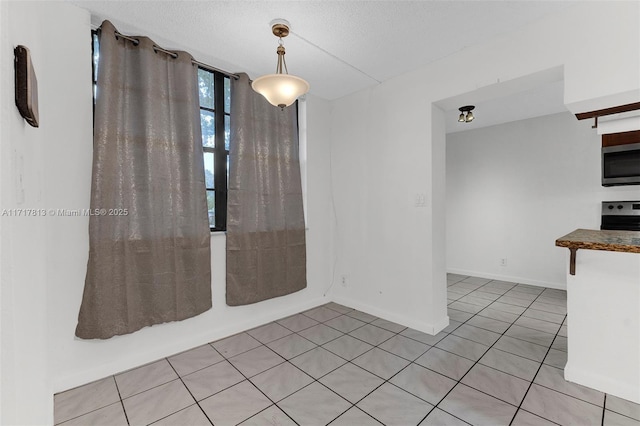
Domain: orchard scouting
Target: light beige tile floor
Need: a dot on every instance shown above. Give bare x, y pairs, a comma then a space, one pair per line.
499, 362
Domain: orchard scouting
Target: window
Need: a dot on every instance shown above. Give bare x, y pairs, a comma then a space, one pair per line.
215, 100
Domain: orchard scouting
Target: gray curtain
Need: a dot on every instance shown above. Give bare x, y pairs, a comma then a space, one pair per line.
149, 255
266, 251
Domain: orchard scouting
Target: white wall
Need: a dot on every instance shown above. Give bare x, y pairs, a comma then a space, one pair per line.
513, 189
602, 43
44, 259
608, 314
39, 169
386, 140
381, 238
319, 209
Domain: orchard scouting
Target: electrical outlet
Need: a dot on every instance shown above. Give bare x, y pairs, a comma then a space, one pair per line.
343, 280
503, 261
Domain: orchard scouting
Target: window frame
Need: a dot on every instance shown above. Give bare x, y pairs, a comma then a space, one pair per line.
219, 151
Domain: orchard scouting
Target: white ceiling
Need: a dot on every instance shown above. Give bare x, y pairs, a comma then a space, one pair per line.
531, 96
340, 47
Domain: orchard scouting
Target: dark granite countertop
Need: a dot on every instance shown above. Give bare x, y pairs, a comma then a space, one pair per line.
589, 239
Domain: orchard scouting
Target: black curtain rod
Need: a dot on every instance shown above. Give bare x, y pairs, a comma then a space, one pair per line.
135, 41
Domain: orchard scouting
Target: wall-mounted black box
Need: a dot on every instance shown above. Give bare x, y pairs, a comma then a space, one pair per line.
26, 86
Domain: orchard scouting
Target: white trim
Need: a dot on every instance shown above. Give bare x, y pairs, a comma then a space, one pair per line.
508, 278
429, 328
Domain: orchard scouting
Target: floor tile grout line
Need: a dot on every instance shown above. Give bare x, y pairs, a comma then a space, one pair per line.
357, 338
489, 348
248, 379
289, 335
370, 372
357, 408
199, 369
485, 352
190, 393
533, 414
525, 316
531, 384
232, 336
401, 357
384, 381
539, 366
566, 394
502, 301
459, 381
549, 348
295, 331
309, 384
478, 362
407, 391
155, 386
404, 368
451, 414
121, 401
604, 409
395, 334
95, 409
513, 337
322, 384
483, 328
621, 414
316, 347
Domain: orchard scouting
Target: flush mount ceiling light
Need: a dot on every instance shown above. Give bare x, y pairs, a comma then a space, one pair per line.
466, 116
280, 89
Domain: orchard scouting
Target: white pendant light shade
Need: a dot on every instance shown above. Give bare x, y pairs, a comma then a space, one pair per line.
280, 90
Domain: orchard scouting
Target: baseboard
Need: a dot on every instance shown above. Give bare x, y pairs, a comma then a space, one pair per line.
508, 278
429, 328
630, 392
140, 356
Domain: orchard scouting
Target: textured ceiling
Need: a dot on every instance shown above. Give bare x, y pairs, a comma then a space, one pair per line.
340, 47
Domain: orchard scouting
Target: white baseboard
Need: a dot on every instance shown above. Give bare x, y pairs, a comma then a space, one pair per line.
429, 328
628, 391
140, 356
508, 278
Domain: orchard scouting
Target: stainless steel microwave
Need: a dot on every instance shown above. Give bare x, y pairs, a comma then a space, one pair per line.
621, 165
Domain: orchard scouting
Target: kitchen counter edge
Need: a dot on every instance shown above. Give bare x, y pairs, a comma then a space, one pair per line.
606, 240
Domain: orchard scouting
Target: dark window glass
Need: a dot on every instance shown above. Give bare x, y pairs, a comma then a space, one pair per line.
215, 100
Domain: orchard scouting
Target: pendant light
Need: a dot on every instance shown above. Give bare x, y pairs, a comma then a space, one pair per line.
280, 89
